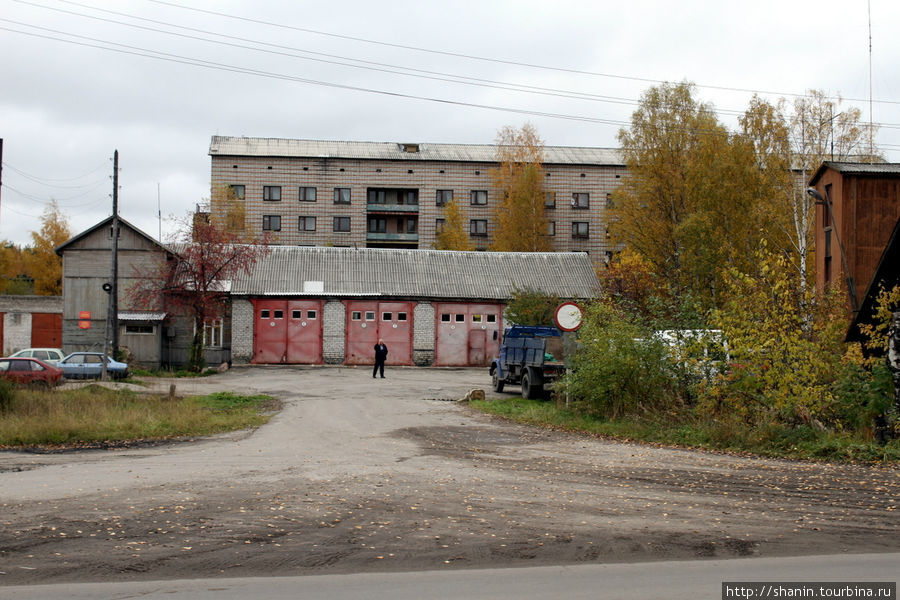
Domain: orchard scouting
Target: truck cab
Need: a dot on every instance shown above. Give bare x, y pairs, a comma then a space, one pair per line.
530, 356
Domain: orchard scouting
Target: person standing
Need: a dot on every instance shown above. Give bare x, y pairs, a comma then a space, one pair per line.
381, 353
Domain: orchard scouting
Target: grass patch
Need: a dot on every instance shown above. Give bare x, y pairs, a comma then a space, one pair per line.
180, 373
95, 415
779, 442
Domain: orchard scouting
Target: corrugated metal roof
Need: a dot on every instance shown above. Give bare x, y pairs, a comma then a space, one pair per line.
865, 168
249, 146
418, 273
141, 316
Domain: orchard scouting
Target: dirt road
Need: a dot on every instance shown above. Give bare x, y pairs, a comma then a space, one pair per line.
357, 475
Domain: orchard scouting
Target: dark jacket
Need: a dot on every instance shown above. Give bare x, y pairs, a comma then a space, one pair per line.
381, 352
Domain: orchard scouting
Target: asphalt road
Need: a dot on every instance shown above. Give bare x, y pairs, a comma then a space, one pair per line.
376, 477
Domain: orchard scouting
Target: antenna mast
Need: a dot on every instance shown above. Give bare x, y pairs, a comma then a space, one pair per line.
871, 130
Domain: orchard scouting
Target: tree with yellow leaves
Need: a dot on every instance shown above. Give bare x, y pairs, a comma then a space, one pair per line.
521, 223
453, 235
41, 261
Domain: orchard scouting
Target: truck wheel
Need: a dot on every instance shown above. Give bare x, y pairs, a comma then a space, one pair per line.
531, 390
496, 381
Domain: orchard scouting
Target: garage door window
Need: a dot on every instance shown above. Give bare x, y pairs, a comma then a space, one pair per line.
370, 315
387, 316
263, 314
445, 318
311, 315
492, 318
476, 318
401, 316
356, 315
460, 318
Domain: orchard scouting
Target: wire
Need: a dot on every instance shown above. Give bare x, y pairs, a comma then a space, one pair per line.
137, 51
487, 59
42, 181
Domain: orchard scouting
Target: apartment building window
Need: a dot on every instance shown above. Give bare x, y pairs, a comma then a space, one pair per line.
581, 200
238, 191
377, 225
271, 222
551, 228
272, 193
307, 224
478, 197
550, 200
307, 194
478, 227
376, 197
439, 225
443, 197
580, 229
412, 226
341, 224
342, 195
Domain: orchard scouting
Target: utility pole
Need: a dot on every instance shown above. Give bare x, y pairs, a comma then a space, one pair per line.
112, 313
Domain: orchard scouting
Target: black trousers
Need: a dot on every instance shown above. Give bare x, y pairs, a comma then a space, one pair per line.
379, 366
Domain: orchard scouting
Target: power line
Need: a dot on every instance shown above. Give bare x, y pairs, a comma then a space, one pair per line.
486, 59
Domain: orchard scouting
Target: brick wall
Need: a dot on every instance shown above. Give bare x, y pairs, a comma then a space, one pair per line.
423, 334
326, 174
241, 331
17, 311
333, 334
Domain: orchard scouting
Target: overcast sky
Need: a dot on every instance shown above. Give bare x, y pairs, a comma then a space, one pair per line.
156, 79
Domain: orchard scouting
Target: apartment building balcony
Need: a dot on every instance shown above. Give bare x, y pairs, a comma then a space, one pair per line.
393, 237
392, 201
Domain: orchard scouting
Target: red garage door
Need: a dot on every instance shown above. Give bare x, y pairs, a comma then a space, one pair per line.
287, 331
467, 334
369, 321
46, 330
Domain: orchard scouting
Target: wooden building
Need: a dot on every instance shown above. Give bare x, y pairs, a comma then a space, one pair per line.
854, 221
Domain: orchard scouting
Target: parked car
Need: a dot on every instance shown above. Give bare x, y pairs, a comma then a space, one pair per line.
29, 371
51, 356
84, 365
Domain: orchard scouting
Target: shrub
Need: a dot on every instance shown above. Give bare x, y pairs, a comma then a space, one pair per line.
7, 394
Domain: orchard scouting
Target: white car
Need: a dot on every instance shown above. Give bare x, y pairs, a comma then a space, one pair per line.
51, 356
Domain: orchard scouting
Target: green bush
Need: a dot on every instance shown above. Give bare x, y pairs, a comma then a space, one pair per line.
622, 369
7, 394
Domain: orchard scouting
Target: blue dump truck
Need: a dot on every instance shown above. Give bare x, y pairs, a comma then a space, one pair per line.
530, 356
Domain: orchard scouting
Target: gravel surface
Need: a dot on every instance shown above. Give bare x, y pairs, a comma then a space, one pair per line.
359, 475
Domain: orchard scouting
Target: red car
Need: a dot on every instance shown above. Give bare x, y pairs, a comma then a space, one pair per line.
29, 371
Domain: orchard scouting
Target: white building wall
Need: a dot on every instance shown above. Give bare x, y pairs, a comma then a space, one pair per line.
423, 334
241, 331
334, 332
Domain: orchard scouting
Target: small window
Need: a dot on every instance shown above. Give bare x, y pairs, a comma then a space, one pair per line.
478, 197
272, 193
551, 227
307, 194
491, 318
278, 314
476, 318
443, 197
342, 195
387, 316
550, 200
356, 315
134, 330
306, 224
401, 316
213, 332
445, 318
271, 222
460, 318
439, 225
263, 314
580, 229
581, 200
341, 224
377, 225
311, 315
370, 315
238, 191
478, 227
296, 314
